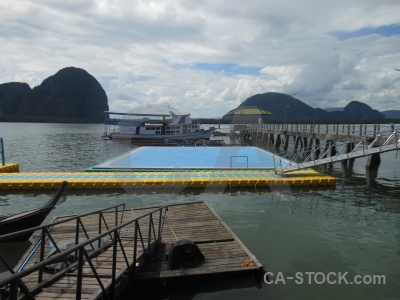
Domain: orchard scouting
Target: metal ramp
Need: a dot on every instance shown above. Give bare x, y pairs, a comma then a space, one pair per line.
105, 253
349, 149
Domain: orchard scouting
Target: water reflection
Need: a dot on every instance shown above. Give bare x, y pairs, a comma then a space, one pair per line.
353, 226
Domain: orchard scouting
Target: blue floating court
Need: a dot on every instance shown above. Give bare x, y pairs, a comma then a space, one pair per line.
172, 168
192, 158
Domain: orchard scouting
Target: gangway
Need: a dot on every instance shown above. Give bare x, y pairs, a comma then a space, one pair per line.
313, 157
105, 253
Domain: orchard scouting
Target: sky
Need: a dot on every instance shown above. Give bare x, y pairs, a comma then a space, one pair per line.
206, 57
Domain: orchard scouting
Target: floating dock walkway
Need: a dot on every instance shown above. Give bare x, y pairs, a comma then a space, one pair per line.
163, 180
175, 167
114, 248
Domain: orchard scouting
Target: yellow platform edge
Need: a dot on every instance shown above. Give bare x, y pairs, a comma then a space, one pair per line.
9, 168
305, 178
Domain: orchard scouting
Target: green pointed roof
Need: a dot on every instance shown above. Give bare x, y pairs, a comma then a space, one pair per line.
249, 110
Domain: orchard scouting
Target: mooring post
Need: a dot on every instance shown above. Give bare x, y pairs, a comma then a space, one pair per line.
3, 161
278, 141
374, 160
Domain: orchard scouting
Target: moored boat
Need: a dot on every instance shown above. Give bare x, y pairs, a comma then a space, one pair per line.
29, 218
143, 127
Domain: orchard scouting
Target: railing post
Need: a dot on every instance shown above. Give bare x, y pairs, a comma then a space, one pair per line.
42, 248
3, 161
80, 273
114, 266
159, 227
149, 236
13, 290
135, 247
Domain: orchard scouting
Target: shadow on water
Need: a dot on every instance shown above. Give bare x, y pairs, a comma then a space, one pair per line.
167, 191
191, 290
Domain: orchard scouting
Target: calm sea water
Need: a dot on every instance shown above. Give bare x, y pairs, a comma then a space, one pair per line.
353, 228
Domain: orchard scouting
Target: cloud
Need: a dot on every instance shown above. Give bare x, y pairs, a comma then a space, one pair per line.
206, 57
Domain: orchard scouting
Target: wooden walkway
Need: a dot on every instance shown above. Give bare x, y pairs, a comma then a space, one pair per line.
225, 255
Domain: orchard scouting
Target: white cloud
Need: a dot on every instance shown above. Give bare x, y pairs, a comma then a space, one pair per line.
145, 52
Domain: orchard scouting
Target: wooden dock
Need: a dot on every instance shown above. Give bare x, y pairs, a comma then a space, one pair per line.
225, 255
136, 262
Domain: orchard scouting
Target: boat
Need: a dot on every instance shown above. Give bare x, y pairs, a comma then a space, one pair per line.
28, 219
144, 127
220, 133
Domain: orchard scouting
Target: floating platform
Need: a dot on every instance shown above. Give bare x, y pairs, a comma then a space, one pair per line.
174, 168
225, 256
163, 180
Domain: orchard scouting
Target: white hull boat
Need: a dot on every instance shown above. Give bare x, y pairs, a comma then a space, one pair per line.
143, 127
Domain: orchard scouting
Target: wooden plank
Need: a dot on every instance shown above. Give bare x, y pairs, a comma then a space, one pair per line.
223, 251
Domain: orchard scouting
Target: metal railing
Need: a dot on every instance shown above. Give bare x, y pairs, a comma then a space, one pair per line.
334, 129
3, 160
308, 157
81, 255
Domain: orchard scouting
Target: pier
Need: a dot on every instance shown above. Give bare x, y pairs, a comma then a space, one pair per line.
112, 248
312, 144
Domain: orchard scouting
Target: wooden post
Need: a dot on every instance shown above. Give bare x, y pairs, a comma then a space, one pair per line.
305, 144
296, 142
286, 142
351, 149
278, 141
374, 160
333, 148
317, 148
271, 138
325, 149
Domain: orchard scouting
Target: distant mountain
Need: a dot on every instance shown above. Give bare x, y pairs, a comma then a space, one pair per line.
360, 111
11, 95
70, 93
330, 109
391, 114
283, 106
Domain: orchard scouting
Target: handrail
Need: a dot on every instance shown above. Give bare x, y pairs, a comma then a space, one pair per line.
360, 149
72, 217
83, 256
3, 161
335, 129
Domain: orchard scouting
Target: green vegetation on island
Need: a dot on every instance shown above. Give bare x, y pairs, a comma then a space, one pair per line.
72, 95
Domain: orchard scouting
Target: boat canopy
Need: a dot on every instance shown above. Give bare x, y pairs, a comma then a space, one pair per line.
108, 113
123, 122
175, 118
